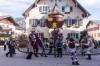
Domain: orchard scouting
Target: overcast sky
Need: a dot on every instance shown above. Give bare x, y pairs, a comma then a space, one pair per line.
16, 7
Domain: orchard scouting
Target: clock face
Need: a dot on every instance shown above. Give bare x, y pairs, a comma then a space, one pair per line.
59, 19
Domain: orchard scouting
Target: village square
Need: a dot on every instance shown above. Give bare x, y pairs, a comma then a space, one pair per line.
50, 33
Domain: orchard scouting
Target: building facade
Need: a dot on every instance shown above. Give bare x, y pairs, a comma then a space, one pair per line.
74, 17
7, 26
93, 28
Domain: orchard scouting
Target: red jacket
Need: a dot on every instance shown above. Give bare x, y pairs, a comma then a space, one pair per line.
38, 43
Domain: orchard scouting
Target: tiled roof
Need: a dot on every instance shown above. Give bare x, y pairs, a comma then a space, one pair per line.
96, 21
37, 1
9, 19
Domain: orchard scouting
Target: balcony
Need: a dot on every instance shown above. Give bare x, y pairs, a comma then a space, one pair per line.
5, 35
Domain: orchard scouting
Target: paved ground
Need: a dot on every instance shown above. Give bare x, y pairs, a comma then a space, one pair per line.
95, 51
19, 60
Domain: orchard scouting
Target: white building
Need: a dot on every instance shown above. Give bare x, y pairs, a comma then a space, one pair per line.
7, 26
93, 28
74, 14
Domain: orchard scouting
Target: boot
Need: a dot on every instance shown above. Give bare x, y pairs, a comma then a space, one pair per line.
73, 63
6, 55
77, 63
83, 53
36, 53
46, 56
89, 57
29, 56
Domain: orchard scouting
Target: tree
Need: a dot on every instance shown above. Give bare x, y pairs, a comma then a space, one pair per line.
56, 33
23, 40
83, 34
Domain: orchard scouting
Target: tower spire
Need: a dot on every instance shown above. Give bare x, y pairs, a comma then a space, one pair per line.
55, 1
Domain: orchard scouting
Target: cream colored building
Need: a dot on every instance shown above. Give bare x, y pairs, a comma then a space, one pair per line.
7, 26
74, 17
93, 28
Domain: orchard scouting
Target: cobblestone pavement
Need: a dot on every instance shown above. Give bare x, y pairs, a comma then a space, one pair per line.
19, 60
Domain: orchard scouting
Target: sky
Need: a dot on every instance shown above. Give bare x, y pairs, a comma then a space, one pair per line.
15, 8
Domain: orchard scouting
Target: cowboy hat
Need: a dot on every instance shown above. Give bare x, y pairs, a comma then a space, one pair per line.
33, 30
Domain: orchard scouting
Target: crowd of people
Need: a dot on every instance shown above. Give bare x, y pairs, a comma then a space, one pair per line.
71, 46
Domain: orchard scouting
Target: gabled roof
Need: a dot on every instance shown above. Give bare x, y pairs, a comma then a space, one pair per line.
93, 21
37, 1
10, 19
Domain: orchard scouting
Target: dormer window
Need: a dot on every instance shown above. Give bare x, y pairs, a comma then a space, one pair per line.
44, 9
51, 0
60, 0
67, 9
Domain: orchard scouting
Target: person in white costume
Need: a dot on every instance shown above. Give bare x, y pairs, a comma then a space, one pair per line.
67, 45
90, 45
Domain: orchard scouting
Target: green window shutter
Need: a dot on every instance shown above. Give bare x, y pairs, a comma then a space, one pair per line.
40, 9
71, 8
63, 8
38, 23
64, 21
77, 36
48, 9
81, 22
68, 35
73, 21
30, 22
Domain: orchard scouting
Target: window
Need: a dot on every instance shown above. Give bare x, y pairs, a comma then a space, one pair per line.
95, 34
98, 28
40, 35
51, 0
35, 22
4, 32
77, 22
98, 34
9, 32
60, 0
8, 26
67, 8
43, 22
68, 22
44, 9
73, 35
